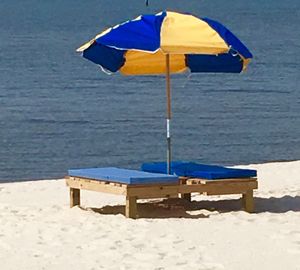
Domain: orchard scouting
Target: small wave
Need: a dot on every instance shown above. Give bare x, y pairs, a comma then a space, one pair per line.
54, 121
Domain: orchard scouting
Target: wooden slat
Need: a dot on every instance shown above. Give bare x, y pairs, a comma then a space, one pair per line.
81, 183
192, 181
147, 192
219, 188
101, 181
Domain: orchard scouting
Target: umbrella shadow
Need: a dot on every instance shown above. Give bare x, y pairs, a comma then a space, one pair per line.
180, 208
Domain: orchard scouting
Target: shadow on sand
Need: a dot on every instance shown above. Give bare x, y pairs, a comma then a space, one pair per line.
175, 208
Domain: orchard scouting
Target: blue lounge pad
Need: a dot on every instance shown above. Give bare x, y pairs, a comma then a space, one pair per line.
124, 176
190, 169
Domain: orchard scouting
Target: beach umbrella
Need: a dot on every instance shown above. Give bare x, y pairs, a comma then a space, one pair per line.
165, 43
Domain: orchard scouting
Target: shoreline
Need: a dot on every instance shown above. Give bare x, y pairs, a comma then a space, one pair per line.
233, 165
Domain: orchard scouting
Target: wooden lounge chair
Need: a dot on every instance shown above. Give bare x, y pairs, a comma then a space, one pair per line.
210, 180
145, 185
131, 183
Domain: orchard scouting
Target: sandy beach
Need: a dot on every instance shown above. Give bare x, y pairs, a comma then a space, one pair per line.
38, 230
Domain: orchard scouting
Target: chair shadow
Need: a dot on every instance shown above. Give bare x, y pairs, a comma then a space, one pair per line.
168, 208
180, 208
271, 205
278, 205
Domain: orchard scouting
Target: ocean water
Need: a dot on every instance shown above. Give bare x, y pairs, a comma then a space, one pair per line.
58, 111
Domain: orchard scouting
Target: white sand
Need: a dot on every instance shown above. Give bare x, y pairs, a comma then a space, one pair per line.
38, 230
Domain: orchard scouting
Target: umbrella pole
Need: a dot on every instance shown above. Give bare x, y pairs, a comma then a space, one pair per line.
168, 89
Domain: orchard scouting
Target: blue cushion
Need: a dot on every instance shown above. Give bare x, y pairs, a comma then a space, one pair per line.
191, 169
124, 176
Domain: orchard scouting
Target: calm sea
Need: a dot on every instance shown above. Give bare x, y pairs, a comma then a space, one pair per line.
58, 111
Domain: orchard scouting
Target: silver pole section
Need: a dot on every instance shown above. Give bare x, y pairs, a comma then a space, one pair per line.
168, 92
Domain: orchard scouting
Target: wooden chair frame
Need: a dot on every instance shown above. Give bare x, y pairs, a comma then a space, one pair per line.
185, 187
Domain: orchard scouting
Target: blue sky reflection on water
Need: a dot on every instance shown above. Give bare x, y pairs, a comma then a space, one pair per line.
58, 111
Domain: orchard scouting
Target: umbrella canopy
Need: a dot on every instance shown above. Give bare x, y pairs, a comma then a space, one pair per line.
164, 43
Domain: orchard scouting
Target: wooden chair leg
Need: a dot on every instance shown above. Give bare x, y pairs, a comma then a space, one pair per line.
186, 196
74, 197
248, 201
131, 207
